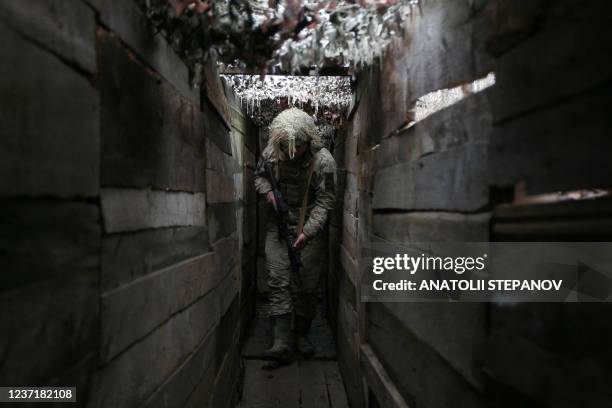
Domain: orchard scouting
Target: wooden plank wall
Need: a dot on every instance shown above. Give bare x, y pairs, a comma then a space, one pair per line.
543, 125
244, 137
343, 287
128, 216
50, 239
551, 134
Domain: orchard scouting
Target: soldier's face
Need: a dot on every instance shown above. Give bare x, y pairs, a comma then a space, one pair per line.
301, 150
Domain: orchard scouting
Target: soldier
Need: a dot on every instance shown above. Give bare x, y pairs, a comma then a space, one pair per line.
306, 173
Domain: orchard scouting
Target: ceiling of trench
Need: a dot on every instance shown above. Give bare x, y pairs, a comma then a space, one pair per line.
277, 54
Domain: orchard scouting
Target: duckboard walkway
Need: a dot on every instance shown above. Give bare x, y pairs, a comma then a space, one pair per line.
312, 383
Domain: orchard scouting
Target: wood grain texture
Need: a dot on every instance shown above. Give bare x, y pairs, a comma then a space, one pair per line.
196, 368
219, 160
49, 300
453, 180
383, 388
49, 328
468, 121
221, 220
129, 256
132, 210
133, 375
551, 354
577, 41
398, 349
151, 135
63, 27
349, 265
50, 143
45, 240
575, 208
220, 188
438, 52
215, 92
348, 352
250, 194
549, 149
193, 382
130, 312
349, 235
307, 384
456, 332
216, 129
574, 220
431, 227
225, 391
508, 26
130, 23
242, 123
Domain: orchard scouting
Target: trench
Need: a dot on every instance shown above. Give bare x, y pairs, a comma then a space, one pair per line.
132, 238
314, 381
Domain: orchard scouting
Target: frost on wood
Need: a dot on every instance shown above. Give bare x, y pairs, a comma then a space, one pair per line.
277, 36
326, 98
348, 34
435, 101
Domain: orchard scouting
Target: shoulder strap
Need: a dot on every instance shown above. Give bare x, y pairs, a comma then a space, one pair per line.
302, 218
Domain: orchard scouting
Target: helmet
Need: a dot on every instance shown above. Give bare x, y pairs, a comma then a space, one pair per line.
290, 129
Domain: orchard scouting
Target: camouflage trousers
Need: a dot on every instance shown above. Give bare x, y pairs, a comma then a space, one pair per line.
289, 293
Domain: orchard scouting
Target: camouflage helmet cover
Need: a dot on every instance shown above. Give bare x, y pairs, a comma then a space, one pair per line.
292, 128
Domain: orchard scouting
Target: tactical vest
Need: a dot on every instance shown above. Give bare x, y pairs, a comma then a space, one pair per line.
292, 177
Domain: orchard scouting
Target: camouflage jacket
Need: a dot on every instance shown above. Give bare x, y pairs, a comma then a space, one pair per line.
292, 176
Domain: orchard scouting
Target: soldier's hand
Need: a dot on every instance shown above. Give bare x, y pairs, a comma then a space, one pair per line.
270, 198
300, 241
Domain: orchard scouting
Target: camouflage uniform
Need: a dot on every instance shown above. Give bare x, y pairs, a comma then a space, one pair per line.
286, 295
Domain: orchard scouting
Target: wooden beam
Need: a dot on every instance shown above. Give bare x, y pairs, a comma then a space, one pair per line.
126, 257
453, 180
131, 210
387, 394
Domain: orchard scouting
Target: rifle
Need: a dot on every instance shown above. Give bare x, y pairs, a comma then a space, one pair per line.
282, 211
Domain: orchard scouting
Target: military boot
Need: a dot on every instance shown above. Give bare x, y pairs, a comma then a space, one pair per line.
282, 349
302, 325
